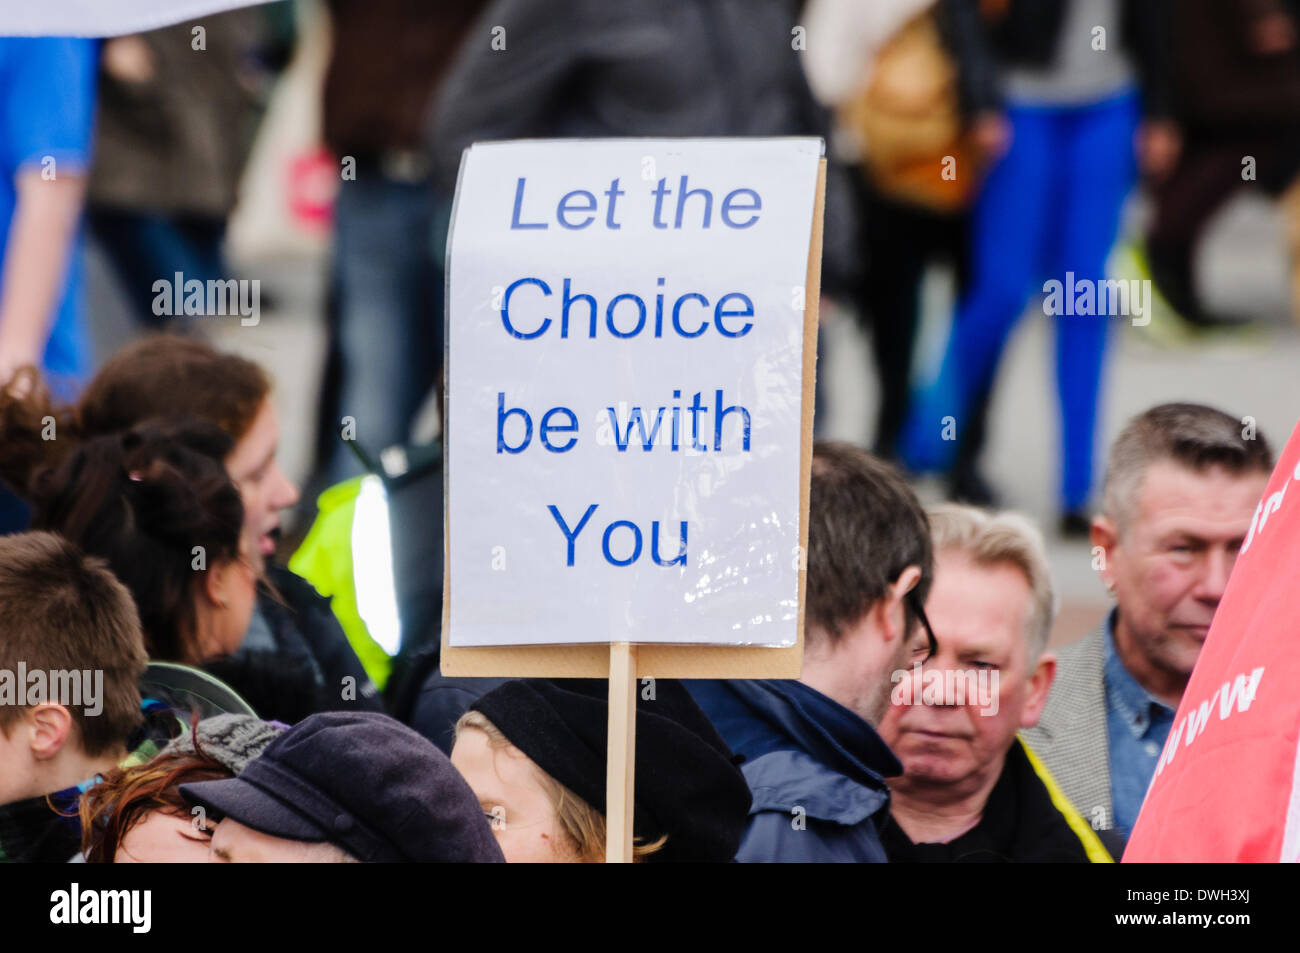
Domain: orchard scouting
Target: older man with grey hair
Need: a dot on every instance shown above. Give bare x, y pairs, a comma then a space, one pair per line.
970, 790
1182, 485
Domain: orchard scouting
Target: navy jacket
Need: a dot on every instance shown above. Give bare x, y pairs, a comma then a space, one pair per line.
816, 771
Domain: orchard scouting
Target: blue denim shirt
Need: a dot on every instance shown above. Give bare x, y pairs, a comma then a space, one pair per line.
1136, 727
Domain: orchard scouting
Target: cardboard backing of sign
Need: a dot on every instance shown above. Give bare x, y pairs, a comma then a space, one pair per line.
657, 660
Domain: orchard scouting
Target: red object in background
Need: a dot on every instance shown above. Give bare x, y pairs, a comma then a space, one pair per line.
313, 184
1227, 788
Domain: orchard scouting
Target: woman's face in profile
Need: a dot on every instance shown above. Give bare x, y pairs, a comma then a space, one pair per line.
226, 602
521, 814
263, 486
162, 838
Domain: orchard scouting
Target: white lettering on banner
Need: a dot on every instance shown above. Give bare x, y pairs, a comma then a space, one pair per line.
1235, 695
1266, 508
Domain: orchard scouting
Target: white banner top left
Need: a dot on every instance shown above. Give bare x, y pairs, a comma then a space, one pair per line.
92, 18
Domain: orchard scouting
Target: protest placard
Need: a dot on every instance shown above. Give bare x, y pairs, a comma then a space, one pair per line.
631, 344
626, 442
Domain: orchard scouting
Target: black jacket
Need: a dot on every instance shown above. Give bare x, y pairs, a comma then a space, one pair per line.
296, 661
639, 68
1030, 30
1020, 825
432, 702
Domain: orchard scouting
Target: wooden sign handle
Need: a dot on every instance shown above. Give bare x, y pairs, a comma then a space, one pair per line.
620, 767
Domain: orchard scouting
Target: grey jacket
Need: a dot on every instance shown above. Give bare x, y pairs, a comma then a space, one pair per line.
1071, 736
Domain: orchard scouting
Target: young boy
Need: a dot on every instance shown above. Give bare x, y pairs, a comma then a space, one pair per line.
71, 657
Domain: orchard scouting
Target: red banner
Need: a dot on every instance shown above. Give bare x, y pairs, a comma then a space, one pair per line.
1227, 787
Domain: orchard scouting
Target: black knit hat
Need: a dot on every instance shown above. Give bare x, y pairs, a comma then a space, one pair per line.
688, 786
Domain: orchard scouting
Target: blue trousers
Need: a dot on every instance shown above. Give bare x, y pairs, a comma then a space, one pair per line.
387, 275
1051, 205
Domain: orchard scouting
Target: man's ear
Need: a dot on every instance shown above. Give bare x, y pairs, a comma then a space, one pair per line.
1038, 687
1104, 535
51, 727
891, 618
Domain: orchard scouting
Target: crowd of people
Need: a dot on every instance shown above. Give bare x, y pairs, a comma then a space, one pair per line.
172, 691
930, 723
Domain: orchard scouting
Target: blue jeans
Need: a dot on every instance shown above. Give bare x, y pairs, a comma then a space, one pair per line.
1051, 205
145, 246
388, 283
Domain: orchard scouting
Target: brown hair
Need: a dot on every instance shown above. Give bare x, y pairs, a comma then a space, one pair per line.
584, 825
61, 610
126, 796
865, 526
1192, 435
152, 502
157, 376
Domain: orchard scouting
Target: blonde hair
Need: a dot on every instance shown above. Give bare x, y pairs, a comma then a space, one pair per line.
991, 539
582, 823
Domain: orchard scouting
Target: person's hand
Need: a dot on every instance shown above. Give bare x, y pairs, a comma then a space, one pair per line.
1158, 146
1272, 34
991, 134
128, 59
13, 355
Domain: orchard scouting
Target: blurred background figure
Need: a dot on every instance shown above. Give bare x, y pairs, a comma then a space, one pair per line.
1236, 76
901, 77
388, 61
1075, 77
676, 68
47, 100
178, 109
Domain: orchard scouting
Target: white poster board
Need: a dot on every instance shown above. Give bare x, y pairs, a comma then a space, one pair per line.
627, 402
105, 17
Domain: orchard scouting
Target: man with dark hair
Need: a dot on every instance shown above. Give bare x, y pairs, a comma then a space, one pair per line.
813, 760
1182, 485
71, 656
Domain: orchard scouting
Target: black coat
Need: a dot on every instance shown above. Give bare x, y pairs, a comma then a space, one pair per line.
296, 660
1020, 825
1030, 31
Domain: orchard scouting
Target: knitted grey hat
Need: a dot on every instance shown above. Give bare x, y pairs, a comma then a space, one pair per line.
232, 740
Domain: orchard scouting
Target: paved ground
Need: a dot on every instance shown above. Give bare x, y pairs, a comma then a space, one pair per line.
1256, 374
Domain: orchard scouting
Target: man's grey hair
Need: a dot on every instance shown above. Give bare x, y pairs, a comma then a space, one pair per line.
991, 539
1192, 435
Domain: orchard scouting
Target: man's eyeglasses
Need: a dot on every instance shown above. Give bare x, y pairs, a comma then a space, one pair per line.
917, 609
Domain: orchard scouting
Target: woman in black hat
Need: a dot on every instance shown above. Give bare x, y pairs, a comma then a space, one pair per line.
534, 750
